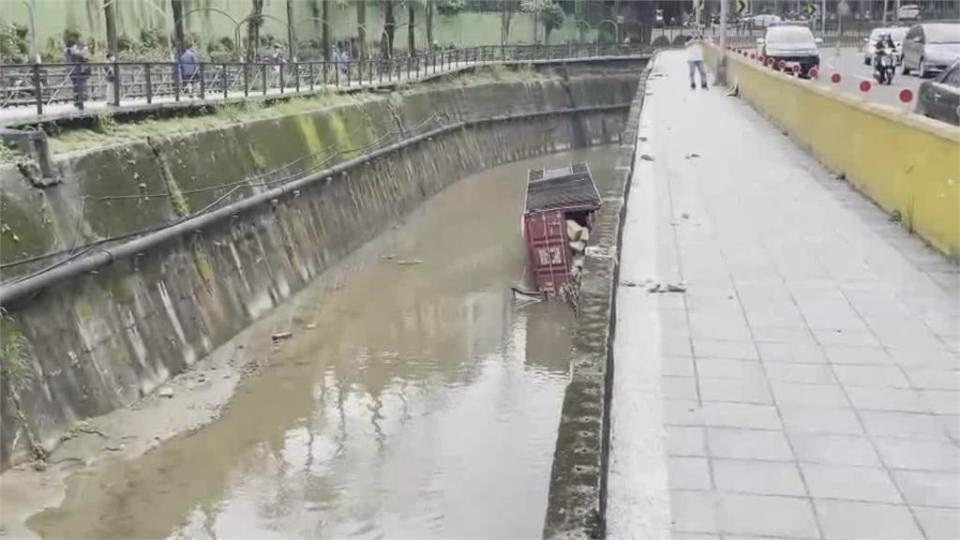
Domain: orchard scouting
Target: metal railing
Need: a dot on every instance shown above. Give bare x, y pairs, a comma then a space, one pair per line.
40, 86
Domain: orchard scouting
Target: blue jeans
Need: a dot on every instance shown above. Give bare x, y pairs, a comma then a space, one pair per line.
697, 65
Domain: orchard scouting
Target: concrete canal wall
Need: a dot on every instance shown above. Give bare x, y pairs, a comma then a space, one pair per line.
140, 313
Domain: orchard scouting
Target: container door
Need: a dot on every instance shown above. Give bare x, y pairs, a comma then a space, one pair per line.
548, 252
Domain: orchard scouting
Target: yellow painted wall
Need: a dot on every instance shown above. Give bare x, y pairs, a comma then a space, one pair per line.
905, 163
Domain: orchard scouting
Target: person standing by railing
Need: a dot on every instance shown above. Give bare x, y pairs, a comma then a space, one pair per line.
110, 75
188, 68
75, 55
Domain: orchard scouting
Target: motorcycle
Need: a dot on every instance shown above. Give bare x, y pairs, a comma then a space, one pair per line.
883, 67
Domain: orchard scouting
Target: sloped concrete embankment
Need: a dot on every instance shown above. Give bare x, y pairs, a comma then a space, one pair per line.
577, 500
100, 340
907, 164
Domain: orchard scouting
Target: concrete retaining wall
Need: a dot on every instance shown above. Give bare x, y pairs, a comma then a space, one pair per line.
102, 340
907, 164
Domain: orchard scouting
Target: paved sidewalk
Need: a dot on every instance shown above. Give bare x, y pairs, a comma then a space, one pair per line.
806, 384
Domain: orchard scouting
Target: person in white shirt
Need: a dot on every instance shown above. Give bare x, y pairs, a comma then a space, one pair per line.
695, 61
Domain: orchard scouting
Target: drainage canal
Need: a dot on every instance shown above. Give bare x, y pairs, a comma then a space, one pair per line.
413, 398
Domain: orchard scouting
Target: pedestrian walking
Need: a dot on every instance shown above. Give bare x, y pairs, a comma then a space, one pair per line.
695, 61
75, 55
188, 68
110, 75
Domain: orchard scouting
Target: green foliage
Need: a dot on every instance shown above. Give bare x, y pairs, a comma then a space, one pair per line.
13, 42
14, 361
450, 7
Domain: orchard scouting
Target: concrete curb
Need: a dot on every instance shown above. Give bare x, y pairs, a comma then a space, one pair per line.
578, 481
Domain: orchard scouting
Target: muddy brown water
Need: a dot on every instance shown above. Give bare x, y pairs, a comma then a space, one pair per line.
413, 400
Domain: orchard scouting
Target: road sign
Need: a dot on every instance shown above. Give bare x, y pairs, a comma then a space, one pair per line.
809, 9
741, 6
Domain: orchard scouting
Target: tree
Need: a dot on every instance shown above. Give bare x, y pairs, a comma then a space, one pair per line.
325, 36
429, 17
547, 12
507, 10
178, 32
291, 32
411, 28
110, 18
389, 27
254, 22
362, 27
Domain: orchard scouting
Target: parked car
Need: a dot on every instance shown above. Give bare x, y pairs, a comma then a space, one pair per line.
939, 97
794, 44
931, 47
909, 12
898, 34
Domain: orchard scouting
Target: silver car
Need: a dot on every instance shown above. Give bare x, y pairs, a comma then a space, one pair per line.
931, 47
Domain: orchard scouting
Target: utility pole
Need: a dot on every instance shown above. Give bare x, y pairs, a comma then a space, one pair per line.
722, 61
32, 27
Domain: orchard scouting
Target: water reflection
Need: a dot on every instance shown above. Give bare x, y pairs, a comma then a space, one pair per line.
423, 404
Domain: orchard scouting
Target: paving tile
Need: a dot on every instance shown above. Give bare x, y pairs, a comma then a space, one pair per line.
917, 426
693, 511
678, 366
877, 376
745, 415
846, 520
886, 399
929, 488
924, 357
682, 412
941, 401
686, 441
748, 444
726, 368
675, 346
758, 477
812, 395
767, 515
799, 418
928, 378
834, 449
781, 334
840, 354
853, 483
678, 387
950, 424
919, 455
851, 337
735, 390
688, 473
693, 536
744, 350
799, 373
803, 352
938, 523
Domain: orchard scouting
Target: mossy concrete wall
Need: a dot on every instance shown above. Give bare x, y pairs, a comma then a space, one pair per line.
104, 339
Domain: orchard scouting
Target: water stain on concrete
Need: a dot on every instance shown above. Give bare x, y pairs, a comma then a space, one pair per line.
411, 399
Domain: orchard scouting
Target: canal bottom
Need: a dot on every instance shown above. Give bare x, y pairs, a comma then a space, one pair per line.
414, 399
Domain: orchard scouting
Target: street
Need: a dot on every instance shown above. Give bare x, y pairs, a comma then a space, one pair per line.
849, 64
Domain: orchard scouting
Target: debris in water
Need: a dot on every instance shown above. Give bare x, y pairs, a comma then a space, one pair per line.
691, 156
115, 448
311, 326
279, 336
667, 288
685, 215
646, 157
895, 216
388, 256
408, 262
165, 392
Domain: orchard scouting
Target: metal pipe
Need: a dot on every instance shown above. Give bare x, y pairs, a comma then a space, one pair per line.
107, 255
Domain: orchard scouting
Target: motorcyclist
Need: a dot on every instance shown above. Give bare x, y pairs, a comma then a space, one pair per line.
883, 47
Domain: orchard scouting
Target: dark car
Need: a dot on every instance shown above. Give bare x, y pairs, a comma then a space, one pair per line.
792, 43
931, 47
939, 97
